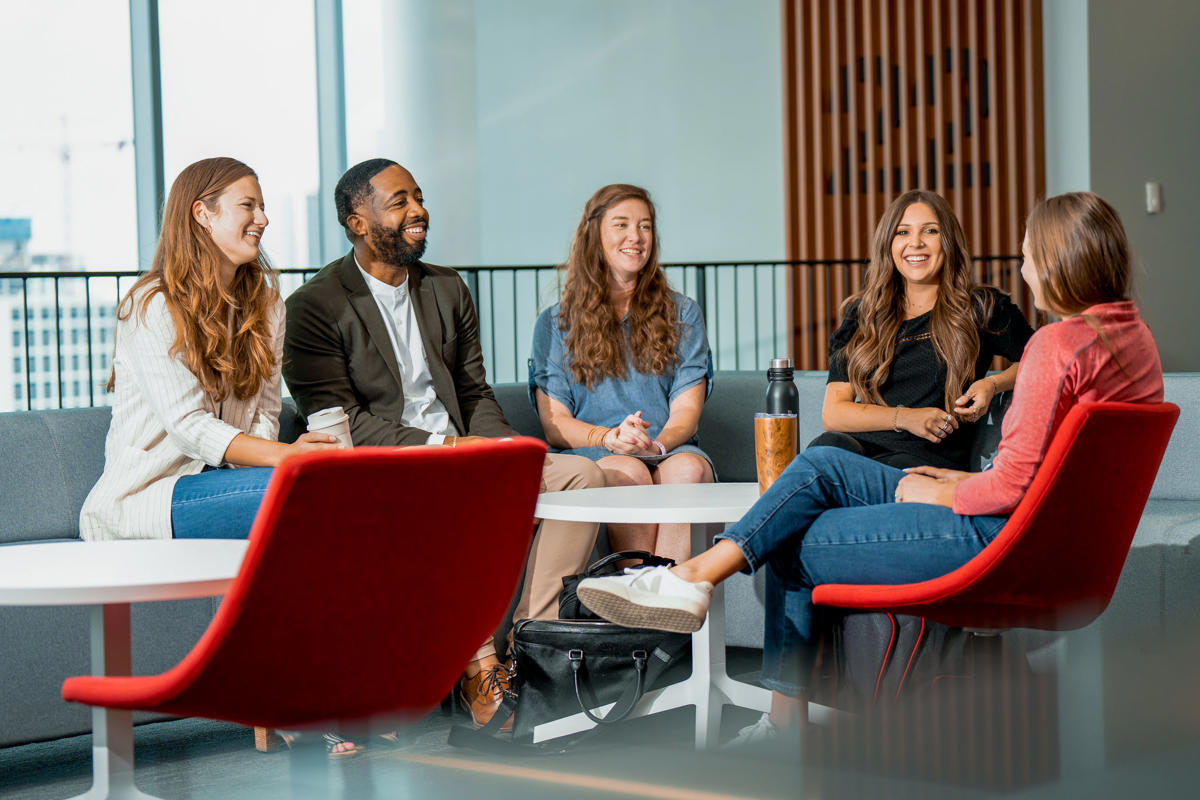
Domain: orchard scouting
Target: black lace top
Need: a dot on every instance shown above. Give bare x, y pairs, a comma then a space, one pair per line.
918, 377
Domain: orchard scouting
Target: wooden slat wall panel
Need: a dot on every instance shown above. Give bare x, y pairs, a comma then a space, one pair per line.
887, 95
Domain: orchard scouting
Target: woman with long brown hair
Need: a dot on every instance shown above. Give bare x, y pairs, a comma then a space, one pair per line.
837, 517
196, 372
620, 367
908, 365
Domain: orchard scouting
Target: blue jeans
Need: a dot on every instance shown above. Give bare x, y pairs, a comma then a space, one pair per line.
217, 503
831, 518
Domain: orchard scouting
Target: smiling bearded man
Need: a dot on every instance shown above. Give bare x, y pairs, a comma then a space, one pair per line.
395, 343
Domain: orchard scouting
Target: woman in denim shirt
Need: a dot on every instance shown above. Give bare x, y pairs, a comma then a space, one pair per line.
620, 367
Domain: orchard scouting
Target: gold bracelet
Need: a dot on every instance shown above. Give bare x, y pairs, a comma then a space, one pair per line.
995, 385
604, 436
896, 420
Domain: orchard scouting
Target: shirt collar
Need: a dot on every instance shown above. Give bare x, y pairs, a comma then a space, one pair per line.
381, 290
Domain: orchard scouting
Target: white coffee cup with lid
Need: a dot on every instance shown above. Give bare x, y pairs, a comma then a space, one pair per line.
334, 421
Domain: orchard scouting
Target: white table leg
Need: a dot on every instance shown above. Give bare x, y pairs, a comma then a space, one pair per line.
112, 730
708, 688
710, 685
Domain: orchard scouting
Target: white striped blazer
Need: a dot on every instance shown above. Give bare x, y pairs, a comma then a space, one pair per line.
164, 426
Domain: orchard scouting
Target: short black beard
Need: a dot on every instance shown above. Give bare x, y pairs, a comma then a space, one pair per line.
390, 247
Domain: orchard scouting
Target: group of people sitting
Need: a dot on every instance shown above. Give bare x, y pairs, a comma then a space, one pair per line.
619, 374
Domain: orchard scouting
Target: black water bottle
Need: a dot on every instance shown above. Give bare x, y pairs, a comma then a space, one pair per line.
782, 396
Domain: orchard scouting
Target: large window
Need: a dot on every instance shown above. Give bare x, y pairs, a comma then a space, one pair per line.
67, 200
238, 79
66, 144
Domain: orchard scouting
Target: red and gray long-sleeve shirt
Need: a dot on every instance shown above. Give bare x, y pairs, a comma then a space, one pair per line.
1064, 363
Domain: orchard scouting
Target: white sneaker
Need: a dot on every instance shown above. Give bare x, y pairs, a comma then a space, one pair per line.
648, 597
760, 732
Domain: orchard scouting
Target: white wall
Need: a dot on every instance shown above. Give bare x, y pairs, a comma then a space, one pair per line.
1123, 108
683, 98
1145, 119
1065, 96
510, 113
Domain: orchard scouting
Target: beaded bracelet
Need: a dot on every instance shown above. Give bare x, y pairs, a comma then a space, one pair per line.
662, 451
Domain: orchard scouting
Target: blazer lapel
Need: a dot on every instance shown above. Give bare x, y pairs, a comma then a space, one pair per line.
363, 303
429, 322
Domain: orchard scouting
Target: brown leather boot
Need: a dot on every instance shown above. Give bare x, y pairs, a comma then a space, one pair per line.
482, 693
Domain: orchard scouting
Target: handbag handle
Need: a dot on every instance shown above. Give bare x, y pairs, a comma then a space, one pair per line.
630, 699
648, 559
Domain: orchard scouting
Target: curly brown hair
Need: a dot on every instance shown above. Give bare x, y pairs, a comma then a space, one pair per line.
186, 272
960, 310
596, 344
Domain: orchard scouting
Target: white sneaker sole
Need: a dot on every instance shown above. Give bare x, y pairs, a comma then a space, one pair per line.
636, 609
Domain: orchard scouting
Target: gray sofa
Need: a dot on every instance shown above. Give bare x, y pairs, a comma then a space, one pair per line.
52, 458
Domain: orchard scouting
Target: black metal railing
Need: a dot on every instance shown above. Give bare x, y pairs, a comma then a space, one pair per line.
60, 324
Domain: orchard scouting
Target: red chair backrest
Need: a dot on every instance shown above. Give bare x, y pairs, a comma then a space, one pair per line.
1056, 563
371, 577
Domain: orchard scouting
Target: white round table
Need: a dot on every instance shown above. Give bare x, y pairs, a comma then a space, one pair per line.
109, 576
707, 507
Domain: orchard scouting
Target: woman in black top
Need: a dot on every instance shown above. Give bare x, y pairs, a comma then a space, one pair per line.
908, 365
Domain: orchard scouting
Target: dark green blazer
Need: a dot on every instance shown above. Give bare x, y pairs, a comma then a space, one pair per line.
336, 352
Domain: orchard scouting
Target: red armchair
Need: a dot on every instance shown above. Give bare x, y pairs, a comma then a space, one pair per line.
362, 592
1055, 564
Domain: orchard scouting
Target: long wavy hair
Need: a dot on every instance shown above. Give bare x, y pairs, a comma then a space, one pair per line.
958, 313
596, 345
186, 272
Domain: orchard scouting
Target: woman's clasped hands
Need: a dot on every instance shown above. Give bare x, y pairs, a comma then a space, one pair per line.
630, 437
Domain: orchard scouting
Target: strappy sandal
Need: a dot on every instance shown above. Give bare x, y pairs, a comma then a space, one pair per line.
332, 742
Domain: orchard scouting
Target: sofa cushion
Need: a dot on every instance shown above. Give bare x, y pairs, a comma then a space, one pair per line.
51, 460
1177, 477
514, 402
291, 424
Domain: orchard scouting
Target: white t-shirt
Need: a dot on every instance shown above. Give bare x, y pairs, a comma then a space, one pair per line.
422, 408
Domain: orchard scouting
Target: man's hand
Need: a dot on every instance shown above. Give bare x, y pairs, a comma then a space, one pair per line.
931, 485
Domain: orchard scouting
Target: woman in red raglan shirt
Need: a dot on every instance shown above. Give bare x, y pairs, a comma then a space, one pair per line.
837, 517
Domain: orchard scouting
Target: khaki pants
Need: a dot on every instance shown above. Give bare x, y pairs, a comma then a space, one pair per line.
559, 548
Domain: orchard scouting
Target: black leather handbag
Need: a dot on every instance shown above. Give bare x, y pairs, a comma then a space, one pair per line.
569, 606
565, 667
